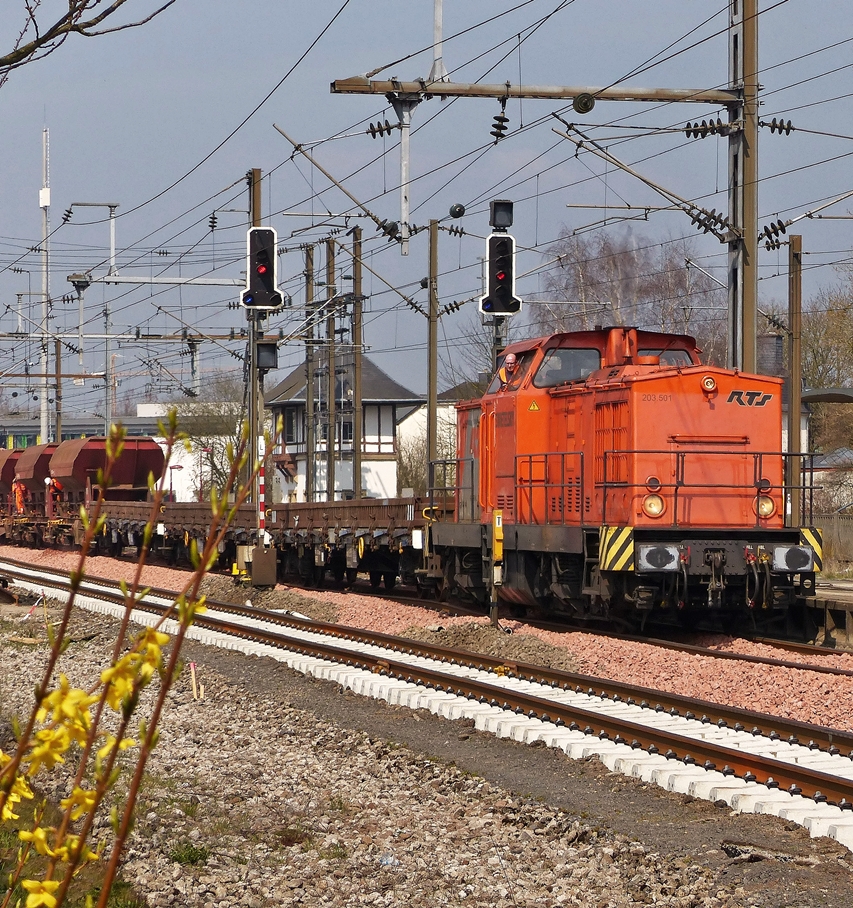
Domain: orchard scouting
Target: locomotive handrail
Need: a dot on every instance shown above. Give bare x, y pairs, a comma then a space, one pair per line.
569, 482
453, 476
681, 484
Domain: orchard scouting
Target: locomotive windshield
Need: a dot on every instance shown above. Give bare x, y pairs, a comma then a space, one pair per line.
565, 364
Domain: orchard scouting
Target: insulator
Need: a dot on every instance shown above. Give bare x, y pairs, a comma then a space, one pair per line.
212, 221
162, 252
706, 128
774, 229
770, 245
499, 126
380, 129
456, 231
781, 126
389, 228
67, 216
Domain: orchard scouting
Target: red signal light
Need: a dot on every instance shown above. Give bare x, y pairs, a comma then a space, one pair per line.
261, 269
501, 275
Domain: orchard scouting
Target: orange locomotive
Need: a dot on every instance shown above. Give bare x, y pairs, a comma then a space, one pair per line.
610, 475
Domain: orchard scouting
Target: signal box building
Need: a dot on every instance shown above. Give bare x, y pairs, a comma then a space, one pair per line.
384, 404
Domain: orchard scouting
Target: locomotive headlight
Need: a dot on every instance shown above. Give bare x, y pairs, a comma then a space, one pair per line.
653, 505
709, 384
764, 506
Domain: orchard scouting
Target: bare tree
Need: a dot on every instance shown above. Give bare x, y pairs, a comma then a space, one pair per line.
470, 356
827, 362
213, 422
46, 25
626, 279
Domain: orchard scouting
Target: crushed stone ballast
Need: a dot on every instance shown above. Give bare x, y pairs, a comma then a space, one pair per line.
494, 714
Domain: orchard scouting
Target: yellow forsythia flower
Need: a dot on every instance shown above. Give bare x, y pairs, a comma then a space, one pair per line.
120, 678
19, 790
40, 893
65, 702
47, 752
73, 848
110, 743
80, 802
38, 838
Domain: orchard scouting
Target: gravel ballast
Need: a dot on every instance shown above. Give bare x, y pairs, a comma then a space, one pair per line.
274, 789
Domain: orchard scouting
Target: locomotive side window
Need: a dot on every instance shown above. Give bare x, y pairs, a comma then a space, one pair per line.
680, 358
517, 376
564, 364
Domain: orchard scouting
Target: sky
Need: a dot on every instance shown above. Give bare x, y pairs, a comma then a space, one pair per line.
165, 120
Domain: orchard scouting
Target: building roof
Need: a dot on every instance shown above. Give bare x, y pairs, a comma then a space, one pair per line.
466, 390
376, 387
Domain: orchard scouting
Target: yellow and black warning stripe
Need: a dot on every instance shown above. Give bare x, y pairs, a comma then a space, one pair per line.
616, 548
814, 537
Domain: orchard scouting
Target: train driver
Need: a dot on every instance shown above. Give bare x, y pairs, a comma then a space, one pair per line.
506, 370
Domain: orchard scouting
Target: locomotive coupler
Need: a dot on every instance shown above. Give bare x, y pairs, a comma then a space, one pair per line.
717, 583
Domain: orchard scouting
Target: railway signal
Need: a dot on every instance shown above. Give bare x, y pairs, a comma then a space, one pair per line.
261, 271
500, 298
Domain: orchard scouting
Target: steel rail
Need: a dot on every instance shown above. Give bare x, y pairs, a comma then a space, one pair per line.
833, 741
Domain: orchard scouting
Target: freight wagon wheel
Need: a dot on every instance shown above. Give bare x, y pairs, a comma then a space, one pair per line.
390, 581
375, 579
318, 575
352, 576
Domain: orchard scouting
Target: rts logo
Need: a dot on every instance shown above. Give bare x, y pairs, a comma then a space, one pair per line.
749, 398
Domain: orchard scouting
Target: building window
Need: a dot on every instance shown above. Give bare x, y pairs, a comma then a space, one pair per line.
291, 433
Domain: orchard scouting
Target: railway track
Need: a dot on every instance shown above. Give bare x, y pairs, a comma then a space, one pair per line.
754, 762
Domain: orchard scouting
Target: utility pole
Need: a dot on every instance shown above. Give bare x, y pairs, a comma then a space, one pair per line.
44, 204
358, 408
432, 354
254, 180
795, 384
331, 446
57, 356
743, 184
310, 416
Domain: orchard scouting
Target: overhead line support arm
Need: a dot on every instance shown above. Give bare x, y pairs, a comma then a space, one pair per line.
359, 85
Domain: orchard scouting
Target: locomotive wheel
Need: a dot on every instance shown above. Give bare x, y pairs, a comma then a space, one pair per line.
318, 575
352, 576
375, 579
390, 581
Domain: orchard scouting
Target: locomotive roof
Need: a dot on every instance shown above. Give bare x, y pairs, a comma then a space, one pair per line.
598, 338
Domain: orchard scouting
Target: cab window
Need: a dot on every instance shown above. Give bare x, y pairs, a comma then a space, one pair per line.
680, 358
564, 364
523, 361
